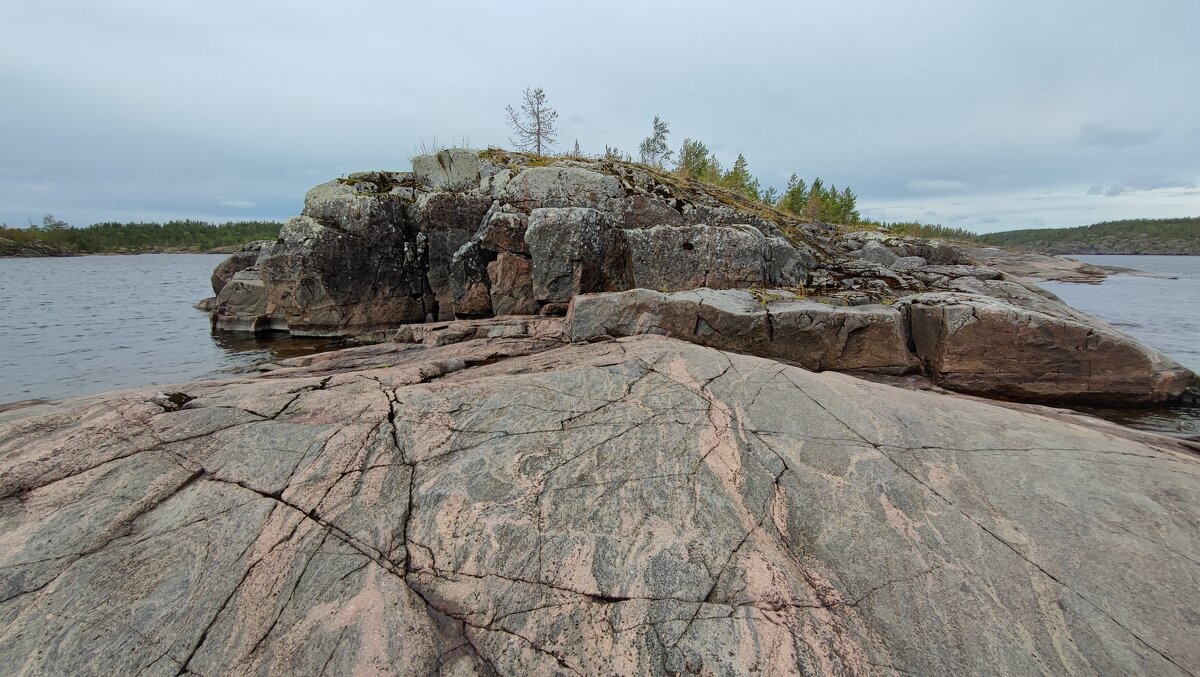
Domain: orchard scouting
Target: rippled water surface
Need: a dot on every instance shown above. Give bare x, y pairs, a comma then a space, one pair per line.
75, 326
1162, 311
81, 325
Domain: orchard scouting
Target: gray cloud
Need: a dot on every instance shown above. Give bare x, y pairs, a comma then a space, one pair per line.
1093, 134
1139, 184
934, 185
178, 107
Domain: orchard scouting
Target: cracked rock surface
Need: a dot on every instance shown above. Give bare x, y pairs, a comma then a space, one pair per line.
517, 505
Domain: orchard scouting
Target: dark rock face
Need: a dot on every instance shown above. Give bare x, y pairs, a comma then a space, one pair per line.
566, 245
379, 249
320, 280
515, 505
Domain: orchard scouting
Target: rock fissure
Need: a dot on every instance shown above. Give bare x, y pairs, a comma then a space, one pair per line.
1004, 542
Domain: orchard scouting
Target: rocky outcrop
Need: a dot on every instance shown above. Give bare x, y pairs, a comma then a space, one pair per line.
241, 260
518, 506
773, 324
984, 346
1027, 348
478, 234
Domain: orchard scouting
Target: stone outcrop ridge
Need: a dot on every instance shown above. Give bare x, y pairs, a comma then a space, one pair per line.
516, 505
1031, 355
478, 234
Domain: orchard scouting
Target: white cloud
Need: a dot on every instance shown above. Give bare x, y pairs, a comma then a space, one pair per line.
238, 204
934, 185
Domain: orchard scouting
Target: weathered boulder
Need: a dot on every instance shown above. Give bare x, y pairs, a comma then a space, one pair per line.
787, 265
564, 186
1028, 348
453, 169
566, 246
245, 293
873, 251
448, 221
673, 258
238, 261
325, 280
640, 506
772, 324
511, 288
906, 264
936, 252
985, 346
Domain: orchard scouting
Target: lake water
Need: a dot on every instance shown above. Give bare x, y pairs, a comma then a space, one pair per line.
81, 325
76, 326
1161, 311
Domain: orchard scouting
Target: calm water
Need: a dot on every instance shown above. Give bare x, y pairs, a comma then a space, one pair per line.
1162, 311
75, 326
81, 325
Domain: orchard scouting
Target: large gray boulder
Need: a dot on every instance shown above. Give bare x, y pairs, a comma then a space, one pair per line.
564, 186
982, 345
246, 294
566, 245
873, 251
640, 506
674, 258
452, 169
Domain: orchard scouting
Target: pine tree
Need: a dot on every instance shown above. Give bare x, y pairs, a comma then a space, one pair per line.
739, 179
533, 126
576, 151
812, 208
850, 200
770, 196
696, 162
795, 197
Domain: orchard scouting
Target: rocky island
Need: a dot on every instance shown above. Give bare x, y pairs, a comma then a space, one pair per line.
607, 420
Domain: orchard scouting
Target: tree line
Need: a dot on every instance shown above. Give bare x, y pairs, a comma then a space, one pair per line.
535, 130
1185, 229
111, 237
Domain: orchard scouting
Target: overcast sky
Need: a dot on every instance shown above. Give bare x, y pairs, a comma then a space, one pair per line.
983, 114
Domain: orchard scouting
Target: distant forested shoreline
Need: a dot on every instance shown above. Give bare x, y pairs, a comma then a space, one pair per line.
1132, 236
55, 238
